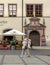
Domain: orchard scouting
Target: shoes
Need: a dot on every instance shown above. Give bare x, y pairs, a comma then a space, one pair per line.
29, 56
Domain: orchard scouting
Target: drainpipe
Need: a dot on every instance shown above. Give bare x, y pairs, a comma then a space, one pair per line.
22, 18
22, 15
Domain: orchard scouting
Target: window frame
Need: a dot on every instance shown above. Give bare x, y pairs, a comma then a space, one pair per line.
29, 11
39, 10
2, 10
12, 11
34, 11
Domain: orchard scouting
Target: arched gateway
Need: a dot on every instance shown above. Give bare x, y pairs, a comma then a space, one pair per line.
35, 38
36, 31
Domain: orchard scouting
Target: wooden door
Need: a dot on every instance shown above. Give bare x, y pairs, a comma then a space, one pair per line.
35, 38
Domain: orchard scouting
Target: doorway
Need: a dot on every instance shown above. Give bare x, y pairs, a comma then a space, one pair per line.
35, 38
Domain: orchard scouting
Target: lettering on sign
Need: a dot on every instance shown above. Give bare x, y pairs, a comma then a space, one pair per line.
2, 23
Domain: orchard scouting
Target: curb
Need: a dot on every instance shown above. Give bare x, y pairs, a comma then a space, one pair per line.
41, 47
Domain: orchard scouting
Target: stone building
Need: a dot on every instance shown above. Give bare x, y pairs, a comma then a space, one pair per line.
28, 16
36, 32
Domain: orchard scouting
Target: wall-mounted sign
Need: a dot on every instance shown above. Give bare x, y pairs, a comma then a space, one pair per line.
2, 23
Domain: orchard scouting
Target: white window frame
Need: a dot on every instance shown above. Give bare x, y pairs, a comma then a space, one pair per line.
1, 10
12, 10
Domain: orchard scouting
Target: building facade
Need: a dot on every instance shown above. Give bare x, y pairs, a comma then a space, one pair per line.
16, 14
10, 16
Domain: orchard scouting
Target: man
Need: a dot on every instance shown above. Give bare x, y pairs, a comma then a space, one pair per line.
28, 48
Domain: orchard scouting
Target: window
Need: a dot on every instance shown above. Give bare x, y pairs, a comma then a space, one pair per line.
34, 10
12, 10
1, 10
38, 10
29, 9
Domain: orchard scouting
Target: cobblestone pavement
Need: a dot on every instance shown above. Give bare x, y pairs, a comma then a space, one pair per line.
17, 60
13, 57
33, 52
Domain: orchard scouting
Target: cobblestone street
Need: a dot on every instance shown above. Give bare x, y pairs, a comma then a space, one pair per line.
13, 57
17, 60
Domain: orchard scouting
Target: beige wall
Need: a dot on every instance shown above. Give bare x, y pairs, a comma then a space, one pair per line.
46, 6
16, 22
6, 2
11, 23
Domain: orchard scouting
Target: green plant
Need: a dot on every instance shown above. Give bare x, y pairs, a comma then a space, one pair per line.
13, 43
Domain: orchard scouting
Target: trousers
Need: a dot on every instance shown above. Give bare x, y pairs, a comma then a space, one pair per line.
23, 52
28, 51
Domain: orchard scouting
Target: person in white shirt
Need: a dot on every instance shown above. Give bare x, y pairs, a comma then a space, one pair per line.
24, 43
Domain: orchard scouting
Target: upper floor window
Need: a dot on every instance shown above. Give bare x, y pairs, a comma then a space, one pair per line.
1, 10
29, 10
38, 10
34, 10
12, 10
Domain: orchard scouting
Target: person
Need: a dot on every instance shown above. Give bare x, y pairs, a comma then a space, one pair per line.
13, 43
24, 44
16, 42
29, 46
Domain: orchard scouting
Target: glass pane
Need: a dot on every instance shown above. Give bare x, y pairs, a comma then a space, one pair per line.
40, 13
27, 8
40, 7
1, 13
1, 7
14, 13
38, 10
10, 13
36, 7
31, 13
10, 7
31, 7
14, 7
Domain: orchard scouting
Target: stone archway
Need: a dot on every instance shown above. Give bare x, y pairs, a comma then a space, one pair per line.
35, 38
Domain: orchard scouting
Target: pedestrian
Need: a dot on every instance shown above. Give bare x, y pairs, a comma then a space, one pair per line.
29, 46
24, 45
16, 42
